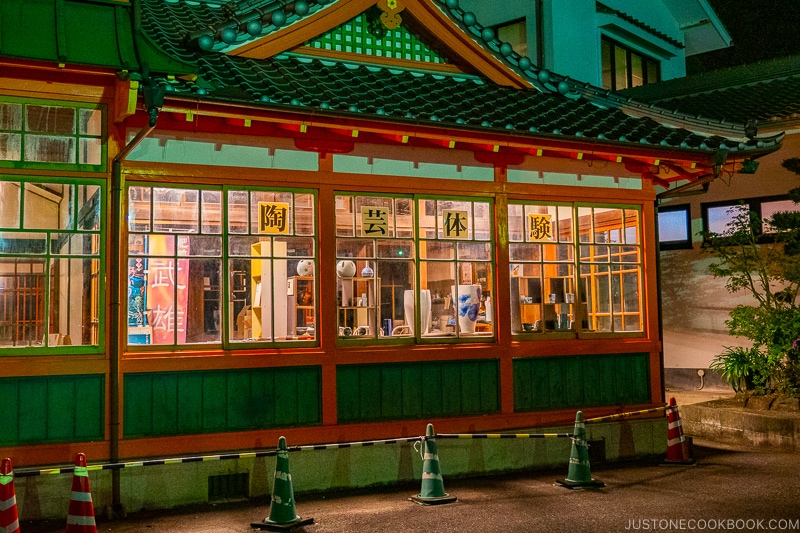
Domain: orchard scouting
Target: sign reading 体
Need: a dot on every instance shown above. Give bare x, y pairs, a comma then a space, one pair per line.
455, 224
539, 227
273, 218
374, 221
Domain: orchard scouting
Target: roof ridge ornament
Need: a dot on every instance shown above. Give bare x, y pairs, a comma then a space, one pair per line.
230, 9
391, 13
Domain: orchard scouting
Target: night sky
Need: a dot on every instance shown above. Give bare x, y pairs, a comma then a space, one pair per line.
760, 29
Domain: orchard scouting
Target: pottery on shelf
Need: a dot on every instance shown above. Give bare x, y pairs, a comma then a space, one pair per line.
408, 310
305, 267
367, 272
425, 310
467, 304
345, 269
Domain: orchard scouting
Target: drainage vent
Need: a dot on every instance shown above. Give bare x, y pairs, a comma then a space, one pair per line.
597, 450
229, 487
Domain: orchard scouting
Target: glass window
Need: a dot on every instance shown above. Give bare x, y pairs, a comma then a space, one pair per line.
516, 34
376, 268
610, 270
191, 283
542, 268
50, 264
719, 218
624, 67
455, 267
41, 134
548, 295
674, 225
768, 209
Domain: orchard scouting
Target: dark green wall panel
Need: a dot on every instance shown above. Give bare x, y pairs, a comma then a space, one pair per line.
542, 383
368, 393
190, 404
41, 410
181, 403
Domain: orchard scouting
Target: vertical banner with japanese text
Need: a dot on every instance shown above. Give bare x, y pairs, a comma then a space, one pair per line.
168, 288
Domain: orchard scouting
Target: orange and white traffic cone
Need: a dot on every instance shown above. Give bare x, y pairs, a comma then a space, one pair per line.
677, 445
9, 518
81, 511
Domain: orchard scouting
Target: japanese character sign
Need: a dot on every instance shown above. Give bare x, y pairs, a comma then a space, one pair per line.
539, 227
374, 221
273, 218
455, 224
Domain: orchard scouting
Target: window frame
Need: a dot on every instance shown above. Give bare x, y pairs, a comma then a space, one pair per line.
508, 24
754, 205
680, 244
226, 298
646, 60
581, 310
373, 260
48, 256
458, 336
59, 166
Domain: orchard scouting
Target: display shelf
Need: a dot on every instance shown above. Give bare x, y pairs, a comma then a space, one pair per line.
300, 303
267, 278
353, 311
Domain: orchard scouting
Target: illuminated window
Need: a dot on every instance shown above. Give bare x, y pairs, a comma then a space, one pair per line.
516, 34
718, 216
542, 270
51, 264
375, 267
624, 67
559, 285
456, 256
769, 208
220, 265
51, 135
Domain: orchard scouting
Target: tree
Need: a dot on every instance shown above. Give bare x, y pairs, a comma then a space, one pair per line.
767, 266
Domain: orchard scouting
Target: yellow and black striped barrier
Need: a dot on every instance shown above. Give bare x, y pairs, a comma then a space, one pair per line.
147, 462
317, 447
503, 435
365, 443
624, 415
206, 458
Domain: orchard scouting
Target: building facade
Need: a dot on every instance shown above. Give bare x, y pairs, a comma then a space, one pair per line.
333, 221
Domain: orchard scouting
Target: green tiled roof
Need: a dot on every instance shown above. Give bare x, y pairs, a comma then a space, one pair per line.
347, 88
99, 34
186, 36
768, 92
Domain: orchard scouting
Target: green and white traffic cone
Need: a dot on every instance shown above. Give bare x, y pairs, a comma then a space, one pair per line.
579, 474
432, 491
282, 515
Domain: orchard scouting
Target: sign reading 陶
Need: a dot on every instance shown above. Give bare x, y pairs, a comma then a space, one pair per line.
273, 217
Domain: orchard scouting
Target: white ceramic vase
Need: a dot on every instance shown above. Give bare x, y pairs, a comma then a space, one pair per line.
425, 310
467, 305
408, 309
